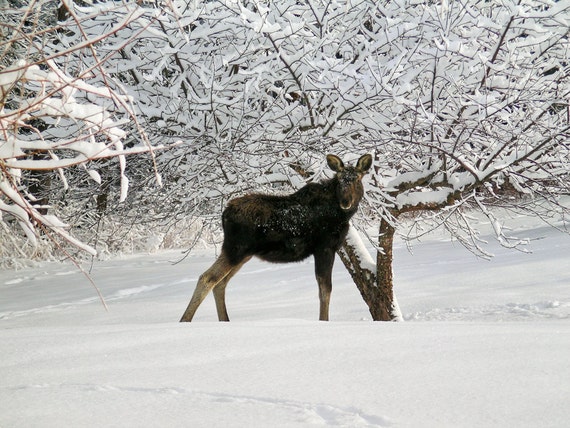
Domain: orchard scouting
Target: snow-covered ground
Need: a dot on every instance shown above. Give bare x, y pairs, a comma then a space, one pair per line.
485, 344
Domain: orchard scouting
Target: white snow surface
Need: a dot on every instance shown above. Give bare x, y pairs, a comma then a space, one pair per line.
484, 344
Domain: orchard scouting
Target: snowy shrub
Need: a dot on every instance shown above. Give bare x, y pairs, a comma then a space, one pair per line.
53, 119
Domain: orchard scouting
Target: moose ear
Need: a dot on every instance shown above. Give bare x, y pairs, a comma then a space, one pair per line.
364, 163
335, 163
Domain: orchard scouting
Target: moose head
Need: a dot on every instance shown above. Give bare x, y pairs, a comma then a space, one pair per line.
349, 189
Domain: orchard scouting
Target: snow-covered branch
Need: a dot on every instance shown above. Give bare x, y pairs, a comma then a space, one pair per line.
51, 120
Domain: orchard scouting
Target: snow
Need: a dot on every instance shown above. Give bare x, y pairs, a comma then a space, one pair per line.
355, 241
486, 343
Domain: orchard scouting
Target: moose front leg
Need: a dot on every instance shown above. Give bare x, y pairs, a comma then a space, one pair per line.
324, 261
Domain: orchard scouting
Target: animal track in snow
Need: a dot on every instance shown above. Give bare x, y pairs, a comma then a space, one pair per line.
287, 411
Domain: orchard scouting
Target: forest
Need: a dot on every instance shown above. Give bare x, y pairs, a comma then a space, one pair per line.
126, 126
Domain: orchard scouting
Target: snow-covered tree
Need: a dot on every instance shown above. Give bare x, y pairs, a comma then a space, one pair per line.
54, 116
477, 115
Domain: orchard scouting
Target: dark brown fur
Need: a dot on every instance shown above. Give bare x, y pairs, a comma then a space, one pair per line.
312, 221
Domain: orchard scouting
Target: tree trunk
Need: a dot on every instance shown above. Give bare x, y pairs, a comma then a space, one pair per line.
385, 302
373, 280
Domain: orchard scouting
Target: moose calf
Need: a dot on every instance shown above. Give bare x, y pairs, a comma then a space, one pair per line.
312, 221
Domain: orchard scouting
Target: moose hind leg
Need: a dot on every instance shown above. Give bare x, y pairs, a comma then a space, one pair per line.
220, 291
220, 297
208, 280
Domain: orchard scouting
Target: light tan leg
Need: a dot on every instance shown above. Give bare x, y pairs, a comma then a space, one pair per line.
208, 280
220, 296
220, 292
